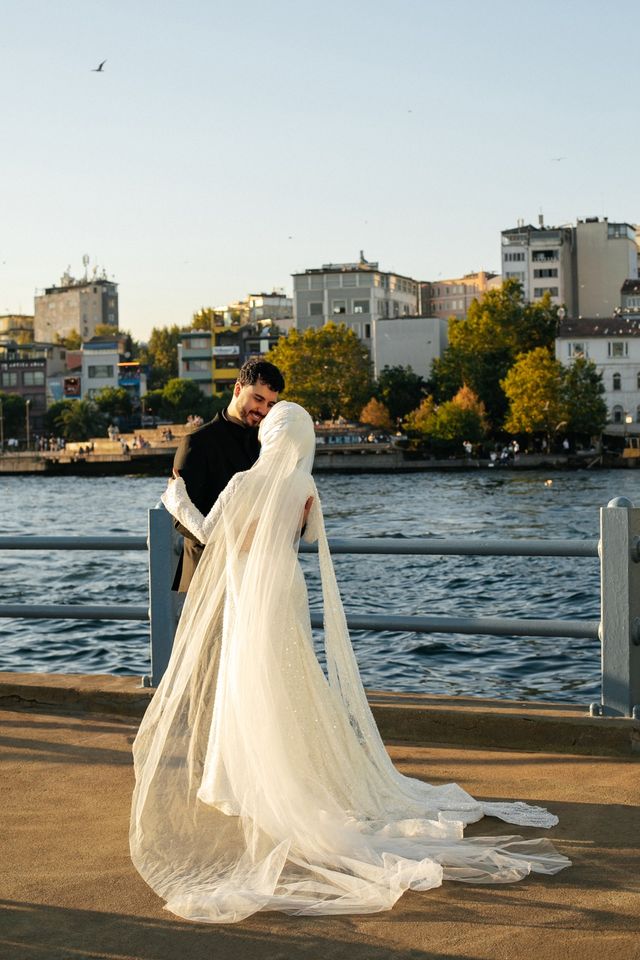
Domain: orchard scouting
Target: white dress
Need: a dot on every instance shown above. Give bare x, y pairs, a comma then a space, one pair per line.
262, 783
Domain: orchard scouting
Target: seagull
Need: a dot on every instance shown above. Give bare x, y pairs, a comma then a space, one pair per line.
557, 159
99, 69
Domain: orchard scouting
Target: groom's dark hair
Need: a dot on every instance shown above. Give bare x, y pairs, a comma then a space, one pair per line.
255, 368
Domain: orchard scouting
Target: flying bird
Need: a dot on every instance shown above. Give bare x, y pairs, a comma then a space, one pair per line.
557, 159
98, 69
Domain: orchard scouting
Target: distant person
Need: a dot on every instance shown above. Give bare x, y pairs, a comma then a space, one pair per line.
211, 454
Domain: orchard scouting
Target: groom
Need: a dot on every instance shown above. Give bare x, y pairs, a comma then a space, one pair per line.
207, 458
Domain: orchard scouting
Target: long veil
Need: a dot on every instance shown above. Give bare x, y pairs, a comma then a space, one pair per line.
261, 782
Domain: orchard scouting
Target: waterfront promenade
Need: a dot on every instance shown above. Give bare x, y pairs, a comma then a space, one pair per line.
70, 891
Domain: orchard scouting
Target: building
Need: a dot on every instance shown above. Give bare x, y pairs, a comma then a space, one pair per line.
453, 297
100, 359
630, 297
543, 259
607, 255
273, 307
582, 267
355, 294
212, 358
17, 327
76, 306
23, 371
613, 344
409, 342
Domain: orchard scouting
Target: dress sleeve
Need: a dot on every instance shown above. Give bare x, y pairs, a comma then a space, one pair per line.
312, 527
177, 501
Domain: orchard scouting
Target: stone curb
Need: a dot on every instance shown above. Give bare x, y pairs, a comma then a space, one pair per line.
410, 718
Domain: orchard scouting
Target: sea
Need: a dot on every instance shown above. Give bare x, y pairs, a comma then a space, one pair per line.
502, 504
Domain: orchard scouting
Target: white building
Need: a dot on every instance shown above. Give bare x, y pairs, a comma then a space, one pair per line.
100, 358
614, 346
355, 294
409, 342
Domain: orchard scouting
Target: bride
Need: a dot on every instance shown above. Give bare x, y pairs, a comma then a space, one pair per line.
262, 783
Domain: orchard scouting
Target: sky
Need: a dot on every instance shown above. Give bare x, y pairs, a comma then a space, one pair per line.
227, 145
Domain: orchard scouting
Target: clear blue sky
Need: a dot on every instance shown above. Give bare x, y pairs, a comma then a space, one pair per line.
230, 144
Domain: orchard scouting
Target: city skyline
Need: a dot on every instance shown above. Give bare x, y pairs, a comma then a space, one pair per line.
221, 150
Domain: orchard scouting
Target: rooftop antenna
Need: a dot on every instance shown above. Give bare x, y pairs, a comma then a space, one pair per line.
85, 263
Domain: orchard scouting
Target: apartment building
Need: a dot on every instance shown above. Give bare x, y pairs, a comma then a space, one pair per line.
212, 358
75, 306
454, 296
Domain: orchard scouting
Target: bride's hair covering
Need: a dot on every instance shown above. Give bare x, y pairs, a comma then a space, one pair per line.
262, 781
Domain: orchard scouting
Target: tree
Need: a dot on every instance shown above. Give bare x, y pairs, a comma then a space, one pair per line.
114, 402
534, 388
583, 392
420, 421
106, 330
13, 414
484, 345
180, 398
78, 420
400, 389
161, 354
72, 341
449, 424
375, 414
207, 318
326, 370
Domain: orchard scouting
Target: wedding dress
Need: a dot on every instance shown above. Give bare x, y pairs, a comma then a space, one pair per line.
261, 782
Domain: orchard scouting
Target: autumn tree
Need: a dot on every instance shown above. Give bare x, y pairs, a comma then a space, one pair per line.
420, 421
375, 414
400, 390
326, 370
484, 345
534, 388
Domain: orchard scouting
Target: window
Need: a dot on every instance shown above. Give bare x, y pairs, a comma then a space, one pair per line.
577, 350
339, 306
196, 343
515, 274
33, 378
544, 256
361, 306
638, 381
540, 291
10, 379
546, 272
101, 371
315, 309
638, 414
349, 280
618, 348
616, 414
617, 381
198, 365
367, 331
513, 257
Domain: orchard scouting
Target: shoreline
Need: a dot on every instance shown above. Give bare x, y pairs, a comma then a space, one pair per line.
157, 461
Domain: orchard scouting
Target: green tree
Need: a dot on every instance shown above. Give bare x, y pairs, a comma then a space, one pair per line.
484, 345
419, 422
161, 355
180, 398
400, 390
535, 390
72, 341
114, 402
375, 414
13, 414
206, 319
326, 370
583, 392
78, 420
446, 426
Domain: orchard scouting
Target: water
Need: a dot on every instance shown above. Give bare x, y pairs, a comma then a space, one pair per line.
504, 504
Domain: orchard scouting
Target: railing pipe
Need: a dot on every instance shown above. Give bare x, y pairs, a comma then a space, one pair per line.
72, 611
73, 543
436, 546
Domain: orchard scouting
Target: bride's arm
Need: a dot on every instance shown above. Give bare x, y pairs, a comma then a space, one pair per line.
178, 503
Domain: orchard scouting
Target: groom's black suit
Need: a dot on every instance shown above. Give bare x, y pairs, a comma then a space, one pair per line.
207, 459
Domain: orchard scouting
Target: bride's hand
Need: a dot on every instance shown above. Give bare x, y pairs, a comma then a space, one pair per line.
175, 475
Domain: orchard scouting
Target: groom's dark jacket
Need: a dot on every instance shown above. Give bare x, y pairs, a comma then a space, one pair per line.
207, 459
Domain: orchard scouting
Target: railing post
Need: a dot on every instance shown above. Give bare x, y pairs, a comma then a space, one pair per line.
162, 601
620, 630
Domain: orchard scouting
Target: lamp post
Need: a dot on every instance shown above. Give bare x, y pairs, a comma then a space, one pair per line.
27, 405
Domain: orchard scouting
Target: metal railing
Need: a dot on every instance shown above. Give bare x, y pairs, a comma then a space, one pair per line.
618, 629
